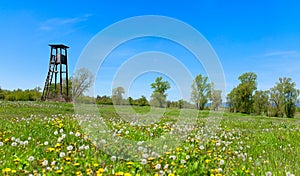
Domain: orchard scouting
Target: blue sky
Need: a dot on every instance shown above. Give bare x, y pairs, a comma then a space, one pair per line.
258, 36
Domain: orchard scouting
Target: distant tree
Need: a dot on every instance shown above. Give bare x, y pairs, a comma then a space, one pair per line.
159, 95
261, 102
117, 95
216, 99
241, 97
81, 81
200, 91
283, 98
180, 103
130, 100
142, 101
105, 100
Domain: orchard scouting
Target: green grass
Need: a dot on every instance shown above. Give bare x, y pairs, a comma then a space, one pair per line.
52, 134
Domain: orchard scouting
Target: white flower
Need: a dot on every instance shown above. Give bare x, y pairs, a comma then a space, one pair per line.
45, 163
173, 157
201, 147
126, 132
71, 133
166, 166
70, 147
29, 138
63, 135
113, 158
220, 170
269, 173
55, 132
31, 158
143, 161
157, 166
13, 138
53, 163
222, 162
61, 130
182, 161
218, 144
1, 143
14, 144
62, 154
46, 143
26, 142
86, 147
18, 140
77, 134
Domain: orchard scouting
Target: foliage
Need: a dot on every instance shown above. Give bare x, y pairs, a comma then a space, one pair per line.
240, 99
283, 97
21, 95
104, 100
81, 81
216, 99
117, 95
159, 95
200, 91
261, 102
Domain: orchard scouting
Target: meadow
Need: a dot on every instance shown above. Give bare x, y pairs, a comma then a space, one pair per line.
43, 138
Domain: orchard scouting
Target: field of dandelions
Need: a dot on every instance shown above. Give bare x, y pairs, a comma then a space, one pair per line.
46, 139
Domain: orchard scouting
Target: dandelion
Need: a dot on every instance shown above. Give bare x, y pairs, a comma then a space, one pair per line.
173, 157
14, 144
70, 147
201, 147
222, 162
157, 166
113, 158
31, 158
268, 173
25, 142
77, 134
55, 132
46, 143
220, 170
45, 163
143, 161
62, 154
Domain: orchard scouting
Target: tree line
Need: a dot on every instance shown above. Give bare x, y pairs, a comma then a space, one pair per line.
278, 101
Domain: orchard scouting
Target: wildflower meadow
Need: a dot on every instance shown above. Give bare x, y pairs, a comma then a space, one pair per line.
43, 138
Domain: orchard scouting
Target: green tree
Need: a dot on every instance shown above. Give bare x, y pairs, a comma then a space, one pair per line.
241, 97
216, 99
283, 98
159, 95
117, 95
142, 101
200, 91
81, 81
261, 102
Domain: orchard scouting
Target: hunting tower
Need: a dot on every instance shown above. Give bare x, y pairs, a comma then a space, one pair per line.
56, 85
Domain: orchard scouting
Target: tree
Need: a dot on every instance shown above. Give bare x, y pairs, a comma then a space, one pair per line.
283, 97
241, 97
261, 102
117, 95
142, 101
81, 81
159, 95
216, 99
200, 91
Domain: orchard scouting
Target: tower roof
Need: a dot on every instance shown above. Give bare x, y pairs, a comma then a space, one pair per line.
58, 45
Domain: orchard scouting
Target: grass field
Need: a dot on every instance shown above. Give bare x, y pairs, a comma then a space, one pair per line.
46, 139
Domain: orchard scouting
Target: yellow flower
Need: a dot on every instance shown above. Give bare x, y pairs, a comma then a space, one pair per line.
170, 174
59, 171
207, 161
100, 170
127, 174
68, 159
57, 145
129, 163
6, 170
76, 164
50, 149
13, 171
96, 164
119, 173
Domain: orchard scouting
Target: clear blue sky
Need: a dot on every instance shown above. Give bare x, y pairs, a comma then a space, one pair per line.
258, 36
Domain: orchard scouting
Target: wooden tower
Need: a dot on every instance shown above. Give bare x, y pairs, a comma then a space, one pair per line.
55, 88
